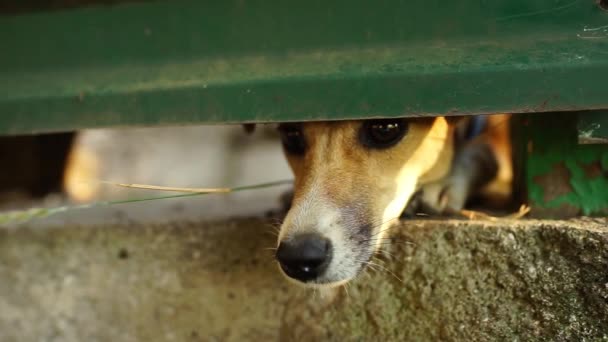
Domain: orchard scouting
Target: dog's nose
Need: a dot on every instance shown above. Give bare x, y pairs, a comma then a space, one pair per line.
304, 257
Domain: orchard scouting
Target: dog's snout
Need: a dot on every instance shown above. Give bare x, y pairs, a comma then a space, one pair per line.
304, 257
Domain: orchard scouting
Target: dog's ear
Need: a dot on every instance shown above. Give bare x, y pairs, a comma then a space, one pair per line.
249, 128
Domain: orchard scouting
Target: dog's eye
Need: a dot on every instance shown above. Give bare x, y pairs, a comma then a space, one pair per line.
383, 133
292, 138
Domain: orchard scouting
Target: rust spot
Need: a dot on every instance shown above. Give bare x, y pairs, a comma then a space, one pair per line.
592, 170
543, 105
555, 183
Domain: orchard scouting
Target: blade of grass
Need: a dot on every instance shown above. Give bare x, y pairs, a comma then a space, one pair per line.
168, 188
22, 216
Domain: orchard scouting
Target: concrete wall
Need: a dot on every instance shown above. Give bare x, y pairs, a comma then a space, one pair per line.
192, 281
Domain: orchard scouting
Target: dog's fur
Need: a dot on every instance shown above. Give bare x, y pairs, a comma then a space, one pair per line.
351, 194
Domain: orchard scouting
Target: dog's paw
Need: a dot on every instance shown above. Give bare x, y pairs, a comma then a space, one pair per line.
447, 196
414, 206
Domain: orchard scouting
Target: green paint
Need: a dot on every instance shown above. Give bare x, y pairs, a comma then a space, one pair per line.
553, 137
591, 195
230, 61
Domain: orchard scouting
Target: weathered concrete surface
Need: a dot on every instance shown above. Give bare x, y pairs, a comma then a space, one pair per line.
443, 280
527, 280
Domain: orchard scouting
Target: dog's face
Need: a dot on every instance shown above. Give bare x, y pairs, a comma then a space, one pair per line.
352, 180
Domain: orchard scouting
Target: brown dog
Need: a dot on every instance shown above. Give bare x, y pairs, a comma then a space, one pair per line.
354, 178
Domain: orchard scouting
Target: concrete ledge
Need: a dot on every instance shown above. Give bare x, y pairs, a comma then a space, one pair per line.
448, 280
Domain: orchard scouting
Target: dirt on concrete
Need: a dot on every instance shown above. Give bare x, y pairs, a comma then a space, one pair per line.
438, 280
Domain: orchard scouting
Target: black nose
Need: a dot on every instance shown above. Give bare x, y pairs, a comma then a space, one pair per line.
304, 257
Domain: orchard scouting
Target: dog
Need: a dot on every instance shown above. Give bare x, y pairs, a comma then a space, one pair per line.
354, 179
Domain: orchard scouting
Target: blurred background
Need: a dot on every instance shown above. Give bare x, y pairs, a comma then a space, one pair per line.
68, 168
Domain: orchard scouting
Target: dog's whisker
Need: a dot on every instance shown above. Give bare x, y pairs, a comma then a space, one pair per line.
386, 242
387, 270
385, 229
275, 234
371, 267
346, 290
385, 252
378, 267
